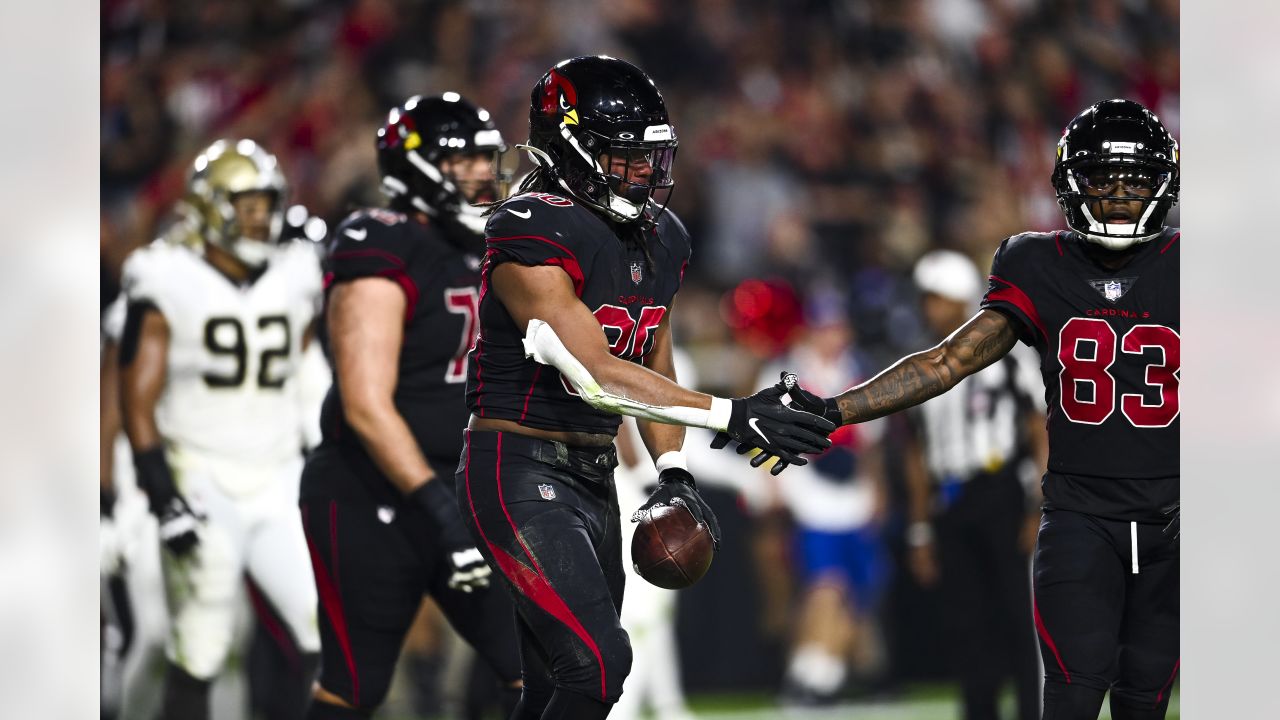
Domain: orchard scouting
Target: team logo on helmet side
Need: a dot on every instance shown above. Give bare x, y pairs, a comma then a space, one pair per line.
559, 96
401, 128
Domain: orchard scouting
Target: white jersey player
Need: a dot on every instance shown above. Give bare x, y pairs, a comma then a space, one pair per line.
213, 340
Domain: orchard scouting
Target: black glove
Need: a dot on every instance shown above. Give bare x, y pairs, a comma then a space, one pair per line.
762, 421
676, 487
107, 498
810, 403
469, 570
806, 401
178, 522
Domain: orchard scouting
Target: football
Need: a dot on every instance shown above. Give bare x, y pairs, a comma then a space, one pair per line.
670, 549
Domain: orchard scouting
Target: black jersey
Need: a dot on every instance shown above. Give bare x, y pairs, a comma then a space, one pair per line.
440, 281
1110, 355
628, 291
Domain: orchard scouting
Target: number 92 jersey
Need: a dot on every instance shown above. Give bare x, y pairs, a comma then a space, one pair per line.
233, 348
1109, 348
627, 290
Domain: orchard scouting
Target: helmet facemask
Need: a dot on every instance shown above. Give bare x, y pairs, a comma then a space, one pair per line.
226, 175
617, 176
1117, 201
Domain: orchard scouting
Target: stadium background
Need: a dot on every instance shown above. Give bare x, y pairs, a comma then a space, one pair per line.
824, 147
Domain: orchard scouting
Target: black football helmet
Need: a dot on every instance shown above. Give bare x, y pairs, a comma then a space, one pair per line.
418, 135
1111, 143
598, 127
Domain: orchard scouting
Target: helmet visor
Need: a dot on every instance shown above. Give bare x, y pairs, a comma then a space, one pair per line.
1119, 179
635, 172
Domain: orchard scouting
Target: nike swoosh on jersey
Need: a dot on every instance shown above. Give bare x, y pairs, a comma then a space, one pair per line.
752, 422
522, 215
357, 235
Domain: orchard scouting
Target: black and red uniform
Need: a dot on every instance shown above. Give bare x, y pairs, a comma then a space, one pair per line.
1106, 564
370, 547
545, 514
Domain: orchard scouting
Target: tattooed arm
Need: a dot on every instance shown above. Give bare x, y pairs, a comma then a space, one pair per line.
984, 339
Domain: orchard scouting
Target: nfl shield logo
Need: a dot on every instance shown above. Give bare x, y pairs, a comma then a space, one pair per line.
547, 492
637, 273
1112, 290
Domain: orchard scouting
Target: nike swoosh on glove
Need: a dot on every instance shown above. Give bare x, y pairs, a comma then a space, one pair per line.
676, 487
762, 421
804, 400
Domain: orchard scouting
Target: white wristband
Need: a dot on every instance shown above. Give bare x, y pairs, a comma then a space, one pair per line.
672, 459
721, 410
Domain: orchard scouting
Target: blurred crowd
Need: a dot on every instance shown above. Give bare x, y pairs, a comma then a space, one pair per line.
823, 142
825, 145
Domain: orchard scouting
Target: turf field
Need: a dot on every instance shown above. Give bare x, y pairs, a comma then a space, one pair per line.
921, 702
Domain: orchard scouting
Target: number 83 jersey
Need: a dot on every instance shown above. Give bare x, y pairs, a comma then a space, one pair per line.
1109, 343
233, 348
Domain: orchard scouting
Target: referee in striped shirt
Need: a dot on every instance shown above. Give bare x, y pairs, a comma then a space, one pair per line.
972, 467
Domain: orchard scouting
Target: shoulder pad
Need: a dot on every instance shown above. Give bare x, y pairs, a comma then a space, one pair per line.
531, 213
1028, 242
113, 319
303, 260
371, 242
1027, 251
672, 230
545, 229
158, 275
146, 267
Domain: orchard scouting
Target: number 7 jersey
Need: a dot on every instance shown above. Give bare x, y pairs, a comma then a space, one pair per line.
1109, 348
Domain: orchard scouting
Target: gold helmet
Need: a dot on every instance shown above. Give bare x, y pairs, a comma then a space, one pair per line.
221, 172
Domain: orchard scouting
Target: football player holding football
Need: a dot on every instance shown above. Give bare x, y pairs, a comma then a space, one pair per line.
1100, 304
377, 495
213, 337
580, 275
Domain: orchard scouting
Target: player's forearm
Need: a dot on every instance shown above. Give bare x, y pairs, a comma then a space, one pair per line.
618, 386
984, 339
660, 438
911, 381
138, 399
142, 381
109, 414
643, 385
389, 442
622, 387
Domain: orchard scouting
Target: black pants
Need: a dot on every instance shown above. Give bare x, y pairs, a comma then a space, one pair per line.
374, 557
986, 589
546, 517
1102, 625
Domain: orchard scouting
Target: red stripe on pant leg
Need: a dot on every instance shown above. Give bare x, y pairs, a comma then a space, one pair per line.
1048, 639
330, 598
271, 623
1167, 683
531, 582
